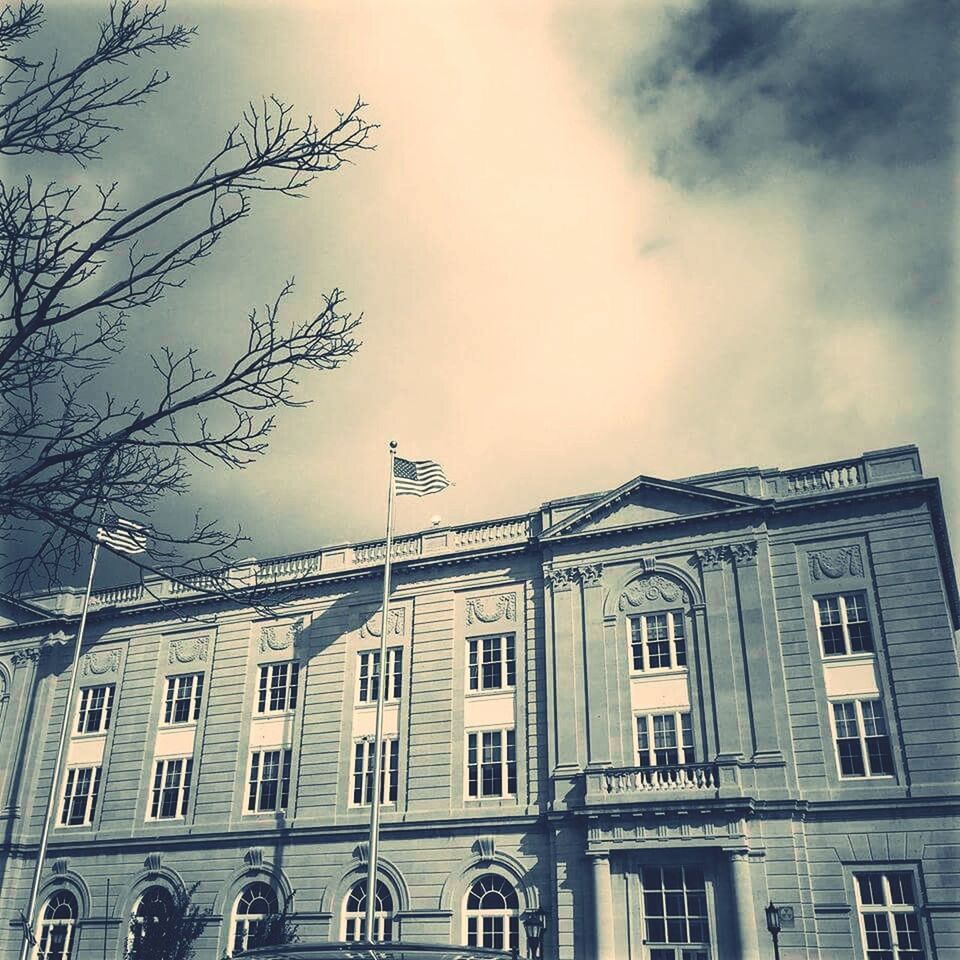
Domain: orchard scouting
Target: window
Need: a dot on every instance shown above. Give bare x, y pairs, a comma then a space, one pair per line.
863, 745
844, 625
664, 739
355, 914
256, 906
658, 641
150, 916
55, 936
888, 916
675, 913
182, 702
363, 758
269, 780
493, 914
491, 763
96, 705
278, 687
492, 663
80, 796
171, 788
369, 675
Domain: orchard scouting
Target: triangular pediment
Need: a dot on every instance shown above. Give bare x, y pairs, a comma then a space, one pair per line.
647, 500
14, 611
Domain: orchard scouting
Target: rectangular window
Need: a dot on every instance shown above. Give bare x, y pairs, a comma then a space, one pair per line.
269, 787
363, 771
888, 916
96, 705
658, 641
277, 690
171, 788
492, 663
675, 913
664, 739
182, 701
844, 625
863, 745
491, 763
368, 675
80, 796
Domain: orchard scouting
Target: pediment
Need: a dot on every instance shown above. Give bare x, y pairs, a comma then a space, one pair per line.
14, 612
647, 500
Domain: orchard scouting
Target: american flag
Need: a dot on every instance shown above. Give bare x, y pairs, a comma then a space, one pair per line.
418, 477
125, 536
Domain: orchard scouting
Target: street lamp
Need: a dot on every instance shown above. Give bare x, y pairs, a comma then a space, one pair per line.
774, 926
534, 923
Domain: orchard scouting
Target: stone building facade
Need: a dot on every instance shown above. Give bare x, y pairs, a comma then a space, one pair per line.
648, 712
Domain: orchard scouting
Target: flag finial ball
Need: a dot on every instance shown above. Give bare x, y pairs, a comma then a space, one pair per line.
393, 444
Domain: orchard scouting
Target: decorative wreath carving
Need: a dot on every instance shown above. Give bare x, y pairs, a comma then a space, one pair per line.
374, 626
188, 650
97, 664
273, 637
835, 563
651, 589
504, 608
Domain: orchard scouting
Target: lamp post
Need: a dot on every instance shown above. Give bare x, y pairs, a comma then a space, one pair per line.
774, 926
534, 924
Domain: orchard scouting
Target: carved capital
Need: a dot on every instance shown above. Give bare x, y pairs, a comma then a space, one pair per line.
374, 626
98, 663
744, 553
559, 578
835, 563
710, 558
187, 650
652, 589
30, 655
280, 637
590, 574
491, 609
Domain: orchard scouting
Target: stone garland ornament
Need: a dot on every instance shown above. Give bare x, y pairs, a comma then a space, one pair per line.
277, 638
98, 663
373, 626
504, 608
652, 588
188, 650
835, 563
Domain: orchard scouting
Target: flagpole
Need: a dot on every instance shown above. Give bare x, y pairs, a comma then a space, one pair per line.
374, 853
28, 937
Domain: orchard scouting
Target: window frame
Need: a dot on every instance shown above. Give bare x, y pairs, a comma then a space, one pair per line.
393, 691
506, 774
284, 781
83, 710
362, 766
842, 598
511, 930
505, 660
246, 919
44, 925
686, 752
69, 795
384, 919
159, 788
643, 642
858, 702
917, 908
266, 686
710, 944
170, 699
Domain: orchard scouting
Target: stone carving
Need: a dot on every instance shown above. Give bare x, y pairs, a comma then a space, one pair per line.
152, 861
560, 578
98, 663
504, 608
711, 558
835, 563
30, 655
60, 866
744, 553
373, 627
53, 640
274, 637
188, 650
648, 564
486, 848
652, 588
253, 857
589, 574
362, 851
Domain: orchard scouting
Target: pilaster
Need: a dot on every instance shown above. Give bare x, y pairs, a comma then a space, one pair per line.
565, 707
595, 666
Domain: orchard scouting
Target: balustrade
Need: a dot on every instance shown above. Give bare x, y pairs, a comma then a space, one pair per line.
691, 776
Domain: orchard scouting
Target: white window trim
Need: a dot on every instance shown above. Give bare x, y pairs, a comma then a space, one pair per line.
506, 914
41, 923
861, 735
246, 919
367, 772
286, 709
504, 764
646, 669
94, 792
281, 807
677, 715
195, 701
391, 672
849, 653
181, 813
380, 917
636, 892
916, 908
505, 687
106, 713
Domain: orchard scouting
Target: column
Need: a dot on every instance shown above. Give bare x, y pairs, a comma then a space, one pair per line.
745, 913
602, 908
595, 666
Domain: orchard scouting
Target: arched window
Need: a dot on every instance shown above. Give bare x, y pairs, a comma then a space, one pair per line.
154, 908
355, 913
256, 905
493, 914
55, 937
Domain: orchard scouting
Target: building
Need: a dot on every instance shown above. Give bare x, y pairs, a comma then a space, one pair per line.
649, 712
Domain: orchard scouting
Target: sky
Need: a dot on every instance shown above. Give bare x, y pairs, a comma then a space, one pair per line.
595, 240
